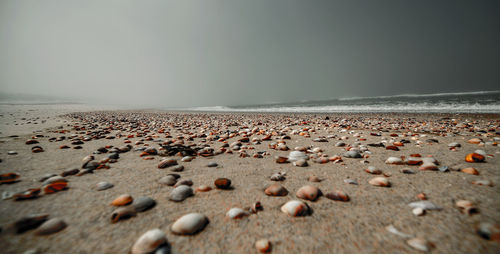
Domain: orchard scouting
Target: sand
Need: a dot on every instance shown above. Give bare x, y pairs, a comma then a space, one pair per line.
357, 226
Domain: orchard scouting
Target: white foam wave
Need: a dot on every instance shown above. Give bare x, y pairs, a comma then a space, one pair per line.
410, 107
418, 95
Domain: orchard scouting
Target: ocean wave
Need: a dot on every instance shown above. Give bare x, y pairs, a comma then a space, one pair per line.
410, 107
419, 95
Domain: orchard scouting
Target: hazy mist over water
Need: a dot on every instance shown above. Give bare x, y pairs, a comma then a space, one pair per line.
208, 53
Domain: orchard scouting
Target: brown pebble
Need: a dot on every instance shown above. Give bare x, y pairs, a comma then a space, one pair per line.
122, 200
337, 196
276, 190
222, 183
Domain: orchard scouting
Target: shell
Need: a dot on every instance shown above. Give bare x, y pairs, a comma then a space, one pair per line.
466, 206
300, 163
168, 180
483, 182
281, 159
28, 194
337, 196
143, 203
474, 157
203, 188
149, 242
424, 204
419, 244
54, 187
263, 245
295, 208
373, 170
180, 193
297, 155
471, 171
308, 192
380, 181
187, 182
104, 186
122, 213
189, 224
418, 211
352, 154
276, 190
314, 179
122, 200
474, 141
29, 222
428, 166
394, 160
223, 183
9, 178
167, 163
236, 213
51, 226
177, 168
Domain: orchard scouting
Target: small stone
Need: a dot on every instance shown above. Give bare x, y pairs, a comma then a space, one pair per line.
11, 152
394, 160
281, 159
187, 182
223, 183
424, 204
373, 170
122, 200
69, 172
187, 158
300, 163
351, 181
189, 224
149, 242
418, 211
123, 213
29, 222
51, 226
276, 190
407, 171
297, 155
167, 163
278, 177
263, 245
212, 164
104, 186
180, 193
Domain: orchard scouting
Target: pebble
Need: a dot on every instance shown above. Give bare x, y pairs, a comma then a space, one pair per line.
69, 172
236, 213
380, 181
104, 186
297, 155
263, 245
122, 200
407, 171
222, 183
11, 152
351, 181
51, 226
149, 242
419, 244
418, 211
187, 182
276, 189
308, 192
142, 204
187, 158
300, 163
295, 208
180, 193
189, 224
212, 164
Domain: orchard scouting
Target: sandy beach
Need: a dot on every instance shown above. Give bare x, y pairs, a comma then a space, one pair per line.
356, 226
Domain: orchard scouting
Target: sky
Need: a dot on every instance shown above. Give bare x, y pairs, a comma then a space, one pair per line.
230, 52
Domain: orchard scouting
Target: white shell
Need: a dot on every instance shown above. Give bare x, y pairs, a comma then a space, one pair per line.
297, 155
424, 204
394, 160
236, 213
419, 244
263, 245
149, 242
380, 181
295, 208
51, 226
189, 224
418, 211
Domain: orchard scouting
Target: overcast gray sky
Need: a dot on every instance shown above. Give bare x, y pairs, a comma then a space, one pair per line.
226, 52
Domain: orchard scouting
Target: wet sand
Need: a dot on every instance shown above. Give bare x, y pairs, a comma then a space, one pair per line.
357, 226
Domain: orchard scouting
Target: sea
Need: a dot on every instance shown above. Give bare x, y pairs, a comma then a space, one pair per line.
466, 102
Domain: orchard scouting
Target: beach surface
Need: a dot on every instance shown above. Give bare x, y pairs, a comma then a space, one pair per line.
356, 226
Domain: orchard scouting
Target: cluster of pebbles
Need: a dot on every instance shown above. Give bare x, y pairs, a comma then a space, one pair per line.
174, 141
